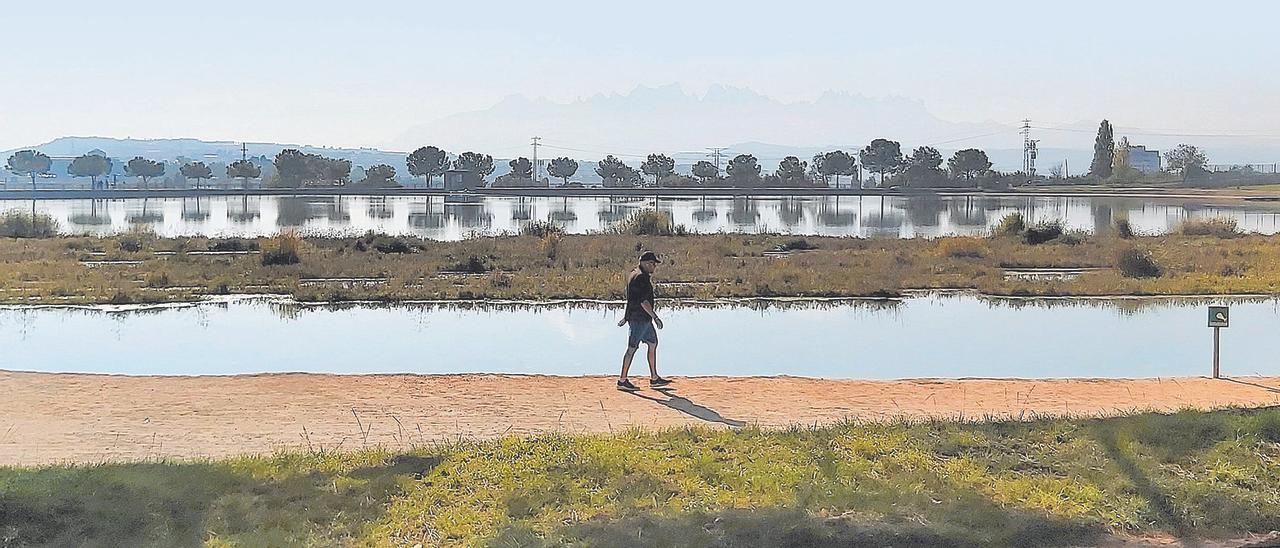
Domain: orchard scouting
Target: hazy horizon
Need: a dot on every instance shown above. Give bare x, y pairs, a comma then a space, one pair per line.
324, 73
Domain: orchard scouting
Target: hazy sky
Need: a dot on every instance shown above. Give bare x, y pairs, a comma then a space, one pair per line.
361, 73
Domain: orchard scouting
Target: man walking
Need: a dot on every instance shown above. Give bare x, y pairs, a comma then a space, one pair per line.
642, 319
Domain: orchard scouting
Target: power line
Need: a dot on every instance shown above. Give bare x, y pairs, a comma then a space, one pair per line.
1028, 150
1146, 133
1001, 132
535, 158
716, 152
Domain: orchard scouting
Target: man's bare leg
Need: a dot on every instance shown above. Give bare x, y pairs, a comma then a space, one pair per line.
626, 362
653, 361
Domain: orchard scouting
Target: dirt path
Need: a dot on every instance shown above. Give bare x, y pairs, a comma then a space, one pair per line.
92, 418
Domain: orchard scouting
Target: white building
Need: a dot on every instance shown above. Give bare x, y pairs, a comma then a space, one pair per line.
1141, 159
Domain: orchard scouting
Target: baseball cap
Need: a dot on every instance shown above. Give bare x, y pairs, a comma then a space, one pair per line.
649, 256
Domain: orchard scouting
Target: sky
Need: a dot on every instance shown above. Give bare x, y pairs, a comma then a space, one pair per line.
356, 74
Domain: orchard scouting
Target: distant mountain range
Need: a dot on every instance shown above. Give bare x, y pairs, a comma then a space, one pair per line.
207, 151
666, 118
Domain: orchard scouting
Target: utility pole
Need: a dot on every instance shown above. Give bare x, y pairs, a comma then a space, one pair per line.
535, 158
244, 151
716, 151
1028, 150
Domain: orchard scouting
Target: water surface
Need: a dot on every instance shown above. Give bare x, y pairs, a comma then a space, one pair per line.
929, 336
451, 218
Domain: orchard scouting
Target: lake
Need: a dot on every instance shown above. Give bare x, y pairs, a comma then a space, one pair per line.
932, 335
452, 218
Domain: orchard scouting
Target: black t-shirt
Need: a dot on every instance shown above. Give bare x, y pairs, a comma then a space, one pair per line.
639, 289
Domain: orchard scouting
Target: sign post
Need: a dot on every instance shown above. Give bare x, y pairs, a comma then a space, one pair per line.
1219, 317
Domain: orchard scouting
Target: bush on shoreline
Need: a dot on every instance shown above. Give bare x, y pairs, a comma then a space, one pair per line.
1137, 263
1010, 225
650, 222
1124, 230
1218, 228
1041, 233
19, 224
281, 250
541, 229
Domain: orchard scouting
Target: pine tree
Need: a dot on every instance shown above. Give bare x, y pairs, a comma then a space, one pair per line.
1104, 150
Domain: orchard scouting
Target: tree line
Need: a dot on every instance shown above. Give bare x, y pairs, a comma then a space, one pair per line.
923, 167
32, 163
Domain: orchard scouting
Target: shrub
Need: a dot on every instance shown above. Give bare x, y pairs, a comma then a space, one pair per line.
1219, 228
650, 222
1123, 229
281, 250
1137, 263
1074, 237
383, 243
135, 240
962, 247
157, 278
541, 229
798, 244
550, 244
1011, 225
17, 224
387, 244
233, 244
473, 265
500, 280
1044, 232
222, 285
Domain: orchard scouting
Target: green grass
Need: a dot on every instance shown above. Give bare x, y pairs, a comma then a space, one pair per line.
1039, 483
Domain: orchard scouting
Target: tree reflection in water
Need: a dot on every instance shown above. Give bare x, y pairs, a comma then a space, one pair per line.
744, 212
95, 216
193, 210
379, 208
967, 211
240, 211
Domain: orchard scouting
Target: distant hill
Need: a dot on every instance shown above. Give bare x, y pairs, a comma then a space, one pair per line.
668, 119
208, 151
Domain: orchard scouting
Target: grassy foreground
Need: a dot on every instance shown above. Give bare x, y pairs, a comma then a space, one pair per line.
1038, 483
1204, 258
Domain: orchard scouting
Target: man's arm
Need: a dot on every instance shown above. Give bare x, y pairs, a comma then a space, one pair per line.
648, 309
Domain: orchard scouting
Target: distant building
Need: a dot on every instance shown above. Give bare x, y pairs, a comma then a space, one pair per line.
457, 179
1141, 159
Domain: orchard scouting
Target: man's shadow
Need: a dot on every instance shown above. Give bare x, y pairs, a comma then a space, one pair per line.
684, 405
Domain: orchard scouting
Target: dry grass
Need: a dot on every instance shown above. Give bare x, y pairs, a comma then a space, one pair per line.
1218, 228
283, 249
557, 266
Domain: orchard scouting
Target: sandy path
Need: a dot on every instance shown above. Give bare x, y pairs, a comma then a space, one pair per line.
91, 418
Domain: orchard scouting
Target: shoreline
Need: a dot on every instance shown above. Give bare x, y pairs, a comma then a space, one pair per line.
90, 418
674, 193
675, 302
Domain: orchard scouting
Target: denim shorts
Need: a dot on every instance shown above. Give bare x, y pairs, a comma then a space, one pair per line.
641, 332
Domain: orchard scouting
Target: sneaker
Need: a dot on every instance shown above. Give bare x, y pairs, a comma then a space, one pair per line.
626, 385
659, 382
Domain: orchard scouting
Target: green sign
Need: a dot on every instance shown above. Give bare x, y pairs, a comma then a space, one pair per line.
1219, 316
